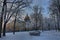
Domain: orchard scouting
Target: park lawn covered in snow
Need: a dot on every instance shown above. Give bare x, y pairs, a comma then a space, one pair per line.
45, 35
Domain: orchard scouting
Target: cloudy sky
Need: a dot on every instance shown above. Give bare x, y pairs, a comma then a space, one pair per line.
44, 3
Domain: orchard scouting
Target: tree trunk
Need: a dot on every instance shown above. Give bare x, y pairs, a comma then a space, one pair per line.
15, 23
48, 26
0, 31
36, 24
14, 26
4, 29
4, 11
57, 22
1, 25
36, 21
0, 28
42, 27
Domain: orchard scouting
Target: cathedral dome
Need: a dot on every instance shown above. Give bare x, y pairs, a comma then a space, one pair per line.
27, 18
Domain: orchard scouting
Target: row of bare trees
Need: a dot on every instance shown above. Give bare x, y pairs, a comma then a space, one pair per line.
54, 8
7, 13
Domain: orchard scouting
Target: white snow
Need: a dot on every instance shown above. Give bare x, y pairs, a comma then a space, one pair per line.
45, 35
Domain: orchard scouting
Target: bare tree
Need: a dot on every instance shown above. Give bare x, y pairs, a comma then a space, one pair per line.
41, 18
37, 16
55, 9
21, 4
4, 5
18, 15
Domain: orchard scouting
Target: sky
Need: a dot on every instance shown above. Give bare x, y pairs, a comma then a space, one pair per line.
43, 3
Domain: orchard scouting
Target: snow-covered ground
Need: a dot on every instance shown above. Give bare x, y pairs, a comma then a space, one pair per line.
46, 35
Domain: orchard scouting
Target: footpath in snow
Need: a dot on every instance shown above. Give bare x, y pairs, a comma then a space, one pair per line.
46, 35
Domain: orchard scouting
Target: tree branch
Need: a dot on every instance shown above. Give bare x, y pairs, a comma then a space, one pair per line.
14, 12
